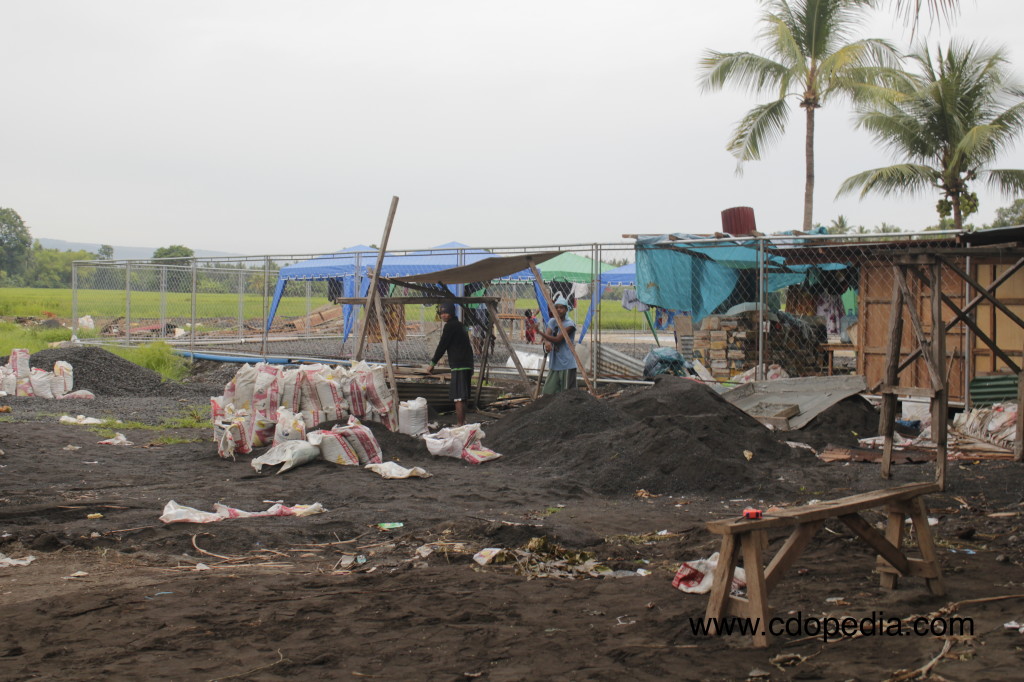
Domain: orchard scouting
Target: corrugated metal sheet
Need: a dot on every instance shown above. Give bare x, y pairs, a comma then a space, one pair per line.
987, 391
437, 393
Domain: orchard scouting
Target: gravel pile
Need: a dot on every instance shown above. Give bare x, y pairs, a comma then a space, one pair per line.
676, 437
108, 375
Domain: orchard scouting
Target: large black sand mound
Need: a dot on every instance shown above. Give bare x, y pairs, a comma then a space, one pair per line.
106, 374
677, 437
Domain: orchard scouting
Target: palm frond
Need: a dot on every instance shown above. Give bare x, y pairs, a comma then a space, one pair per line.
746, 69
762, 126
901, 178
1008, 181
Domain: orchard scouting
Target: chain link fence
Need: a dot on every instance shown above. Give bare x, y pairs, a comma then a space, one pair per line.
736, 308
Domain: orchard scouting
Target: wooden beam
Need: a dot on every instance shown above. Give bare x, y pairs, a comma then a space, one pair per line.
915, 322
984, 292
887, 417
721, 584
561, 327
886, 549
1018, 440
790, 551
970, 324
940, 403
486, 357
372, 294
971, 305
757, 590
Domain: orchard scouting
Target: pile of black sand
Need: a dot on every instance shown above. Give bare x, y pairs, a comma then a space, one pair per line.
676, 437
843, 425
109, 375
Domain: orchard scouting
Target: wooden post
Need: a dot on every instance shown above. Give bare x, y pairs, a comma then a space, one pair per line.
486, 357
887, 420
1018, 439
372, 294
561, 327
940, 402
540, 376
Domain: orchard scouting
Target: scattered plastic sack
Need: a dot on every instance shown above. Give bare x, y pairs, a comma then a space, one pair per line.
86, 323
81, 393
696, 577
395, 470
488, 555
176, 513
82, 419
771, 372
352, 444
289, 454
18, 378
412, 417
7, 562
118, 439
1012, 625
290, 426
461, 442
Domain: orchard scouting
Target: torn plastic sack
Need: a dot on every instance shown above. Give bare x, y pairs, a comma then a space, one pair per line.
463, 442
118, 439
176, 513
6, 561
395, 470
361, 440
697, 576
289, 454
81, 393
80, 419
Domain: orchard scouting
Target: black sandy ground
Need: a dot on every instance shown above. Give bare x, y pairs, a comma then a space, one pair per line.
288, 597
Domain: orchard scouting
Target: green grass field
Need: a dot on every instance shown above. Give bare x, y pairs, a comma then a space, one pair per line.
108, 305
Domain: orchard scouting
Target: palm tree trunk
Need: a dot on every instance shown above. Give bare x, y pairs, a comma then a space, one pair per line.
809, 185
958, 217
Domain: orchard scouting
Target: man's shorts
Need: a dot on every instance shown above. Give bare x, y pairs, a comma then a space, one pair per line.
459, 388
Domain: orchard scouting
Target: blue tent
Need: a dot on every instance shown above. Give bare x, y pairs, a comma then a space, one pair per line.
351, 270
625, 274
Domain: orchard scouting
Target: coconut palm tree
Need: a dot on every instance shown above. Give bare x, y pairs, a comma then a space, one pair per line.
810, 60
949, 122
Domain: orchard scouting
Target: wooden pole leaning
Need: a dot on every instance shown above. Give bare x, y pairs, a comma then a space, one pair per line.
940, 401
492, 311
887, 418
561, 327
486, 356
371, 296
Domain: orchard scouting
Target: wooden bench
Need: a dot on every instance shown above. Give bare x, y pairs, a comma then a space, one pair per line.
749, 538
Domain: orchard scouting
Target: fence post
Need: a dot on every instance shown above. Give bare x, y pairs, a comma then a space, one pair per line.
128, 303
192, 335
266, 295
759, 374
163, 301
74, 300
241, 305
309, 308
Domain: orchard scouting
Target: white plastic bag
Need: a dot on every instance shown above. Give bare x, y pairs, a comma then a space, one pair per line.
412, 417
697, 576
463, 442
395, 470
290, 426
289, 454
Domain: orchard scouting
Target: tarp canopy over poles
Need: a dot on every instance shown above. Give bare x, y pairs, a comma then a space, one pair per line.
685, 272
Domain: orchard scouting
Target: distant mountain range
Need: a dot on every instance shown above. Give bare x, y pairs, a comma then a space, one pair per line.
121, 252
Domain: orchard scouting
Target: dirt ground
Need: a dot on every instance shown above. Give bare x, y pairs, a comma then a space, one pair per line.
630, 479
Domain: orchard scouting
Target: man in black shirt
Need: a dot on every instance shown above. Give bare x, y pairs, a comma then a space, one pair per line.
455, 342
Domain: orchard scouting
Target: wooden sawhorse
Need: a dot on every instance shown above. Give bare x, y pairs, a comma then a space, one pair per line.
749, 538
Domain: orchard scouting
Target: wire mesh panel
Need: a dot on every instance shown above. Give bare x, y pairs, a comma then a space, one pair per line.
737, 308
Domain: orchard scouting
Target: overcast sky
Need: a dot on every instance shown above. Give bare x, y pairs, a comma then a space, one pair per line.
285, 127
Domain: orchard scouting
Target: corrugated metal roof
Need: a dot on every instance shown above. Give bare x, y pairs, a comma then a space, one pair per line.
987, 391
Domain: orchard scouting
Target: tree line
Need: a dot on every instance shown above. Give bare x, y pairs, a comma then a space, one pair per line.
24, 262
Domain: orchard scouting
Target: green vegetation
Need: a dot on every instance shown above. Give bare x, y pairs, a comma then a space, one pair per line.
157, 356
192, 417
949, 121
15, 336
